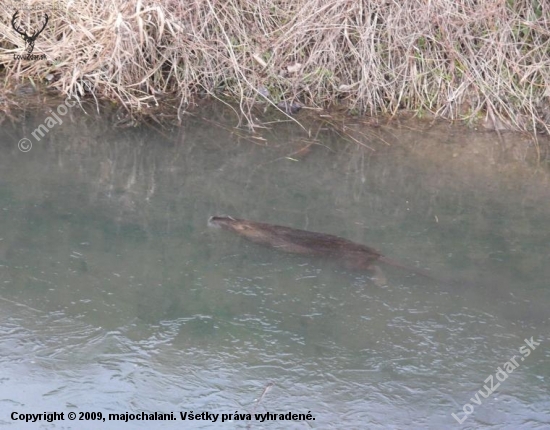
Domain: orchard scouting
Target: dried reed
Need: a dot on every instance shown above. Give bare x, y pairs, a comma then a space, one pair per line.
468, 60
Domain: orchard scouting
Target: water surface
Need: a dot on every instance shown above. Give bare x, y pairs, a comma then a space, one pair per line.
115, 296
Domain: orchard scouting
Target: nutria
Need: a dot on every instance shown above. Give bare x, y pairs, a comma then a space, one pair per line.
352, 255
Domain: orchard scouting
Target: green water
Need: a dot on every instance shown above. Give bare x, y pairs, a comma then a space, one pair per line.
116, 297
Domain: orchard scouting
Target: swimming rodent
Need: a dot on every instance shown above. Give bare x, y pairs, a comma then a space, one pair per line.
291, 240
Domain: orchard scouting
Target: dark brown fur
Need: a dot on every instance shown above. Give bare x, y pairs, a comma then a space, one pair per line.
352, 255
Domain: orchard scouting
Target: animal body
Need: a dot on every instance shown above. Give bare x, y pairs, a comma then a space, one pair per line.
291, 240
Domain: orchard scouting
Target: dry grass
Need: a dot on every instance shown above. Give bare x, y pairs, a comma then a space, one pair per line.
469, 60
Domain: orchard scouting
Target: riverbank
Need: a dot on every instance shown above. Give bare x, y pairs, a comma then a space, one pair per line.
484, 63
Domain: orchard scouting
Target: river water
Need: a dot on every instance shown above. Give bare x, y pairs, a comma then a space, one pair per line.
115, 296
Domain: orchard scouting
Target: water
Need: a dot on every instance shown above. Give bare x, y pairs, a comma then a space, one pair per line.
115, 297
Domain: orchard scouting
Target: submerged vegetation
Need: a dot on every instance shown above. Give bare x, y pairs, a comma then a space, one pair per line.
479, 61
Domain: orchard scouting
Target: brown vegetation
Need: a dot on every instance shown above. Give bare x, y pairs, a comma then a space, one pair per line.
472, 60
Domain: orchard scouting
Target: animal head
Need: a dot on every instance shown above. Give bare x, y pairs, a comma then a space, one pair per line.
220, 221
239, 226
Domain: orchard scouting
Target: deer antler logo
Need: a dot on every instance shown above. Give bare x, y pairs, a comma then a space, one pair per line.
29, 39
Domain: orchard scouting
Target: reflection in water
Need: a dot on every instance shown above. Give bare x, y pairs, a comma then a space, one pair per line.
115, 297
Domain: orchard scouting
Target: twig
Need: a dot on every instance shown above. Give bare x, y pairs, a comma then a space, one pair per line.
259, 399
